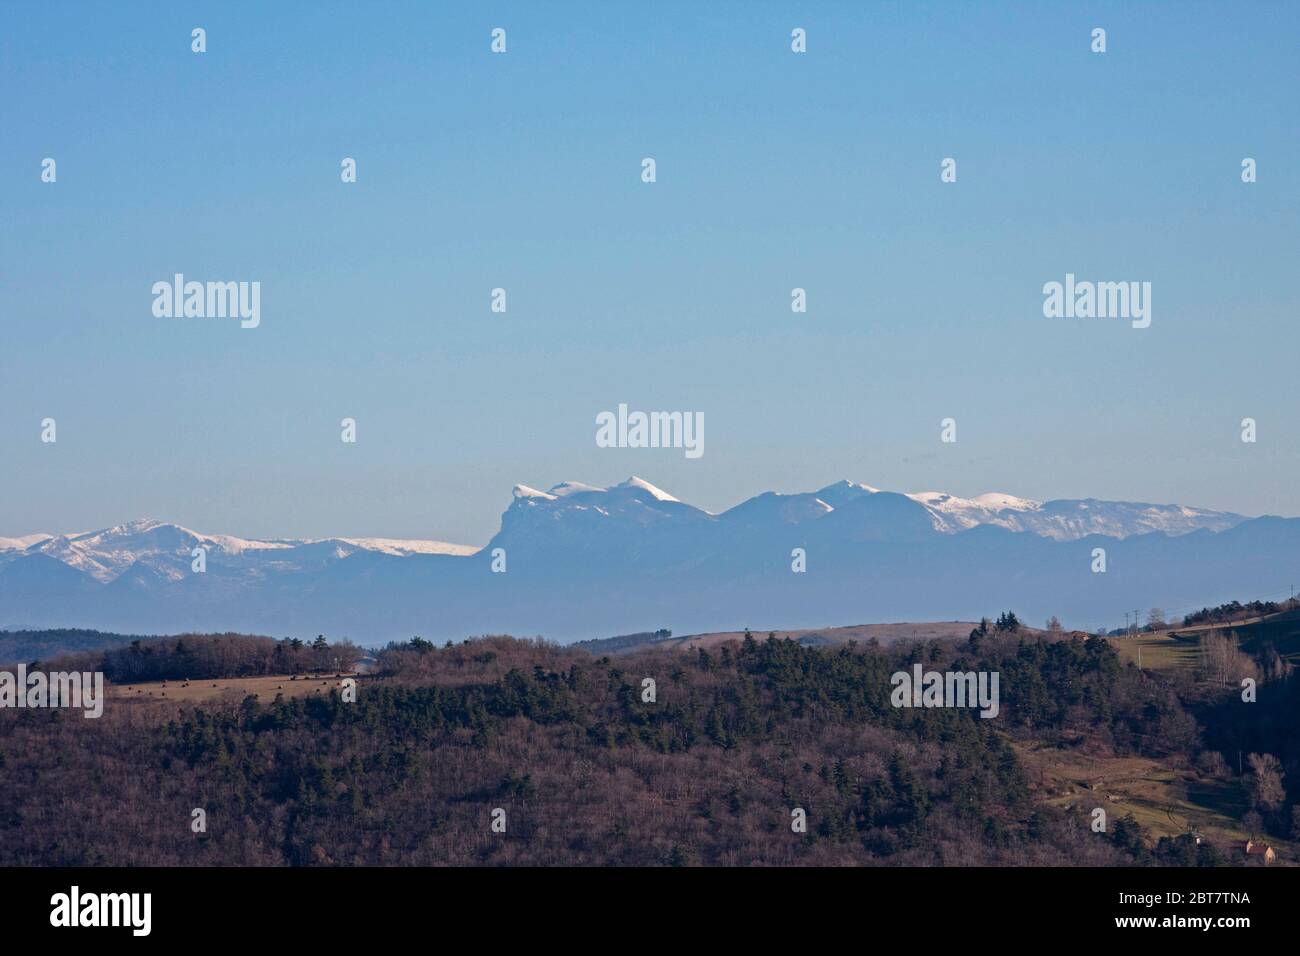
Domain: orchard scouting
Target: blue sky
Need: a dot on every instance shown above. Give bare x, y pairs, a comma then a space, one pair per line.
522, 170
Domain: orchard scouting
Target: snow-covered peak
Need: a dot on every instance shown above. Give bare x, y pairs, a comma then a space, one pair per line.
932, 499
845, 485
138, 526
996, 499
566, 488
523, 491
842, 492
952, 513
641, 484
232, 545
973, 508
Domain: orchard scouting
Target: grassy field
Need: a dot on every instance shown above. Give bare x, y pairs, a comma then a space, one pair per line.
1160, 651
1176, 649
263, 688
1280, 630
1165, 801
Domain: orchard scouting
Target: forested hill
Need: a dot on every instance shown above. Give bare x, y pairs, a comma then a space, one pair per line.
586, 770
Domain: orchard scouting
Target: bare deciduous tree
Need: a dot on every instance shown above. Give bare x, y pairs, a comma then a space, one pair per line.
1264, 782
1223, 661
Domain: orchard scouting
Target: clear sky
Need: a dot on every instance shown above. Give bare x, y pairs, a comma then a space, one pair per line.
522, 170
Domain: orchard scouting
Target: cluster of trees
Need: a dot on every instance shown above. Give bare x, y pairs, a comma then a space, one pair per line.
1233, 611
1221, 660
589, 763
1007, 622
1131, 838
210, 656
479, 660
624, 642
1261, 739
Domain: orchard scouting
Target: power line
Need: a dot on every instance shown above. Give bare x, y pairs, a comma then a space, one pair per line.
1178, 611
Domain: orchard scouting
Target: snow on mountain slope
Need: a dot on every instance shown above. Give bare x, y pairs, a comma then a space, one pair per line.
640, 484
772, 508
23, 543
956, 514
405, 546
167, 549
565, 488
575, 529
574, 495
985, 504
1067, 520
634, 515
523, 492
842, 492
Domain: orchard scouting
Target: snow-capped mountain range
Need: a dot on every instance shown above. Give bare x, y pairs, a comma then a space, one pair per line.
584, 561
167, 548
1063, 520
1067, 520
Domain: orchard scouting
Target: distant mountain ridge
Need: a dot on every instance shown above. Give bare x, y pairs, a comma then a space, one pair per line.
166, 548
582, 561
1064, 519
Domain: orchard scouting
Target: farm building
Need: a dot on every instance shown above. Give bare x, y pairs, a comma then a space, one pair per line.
1260, 851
